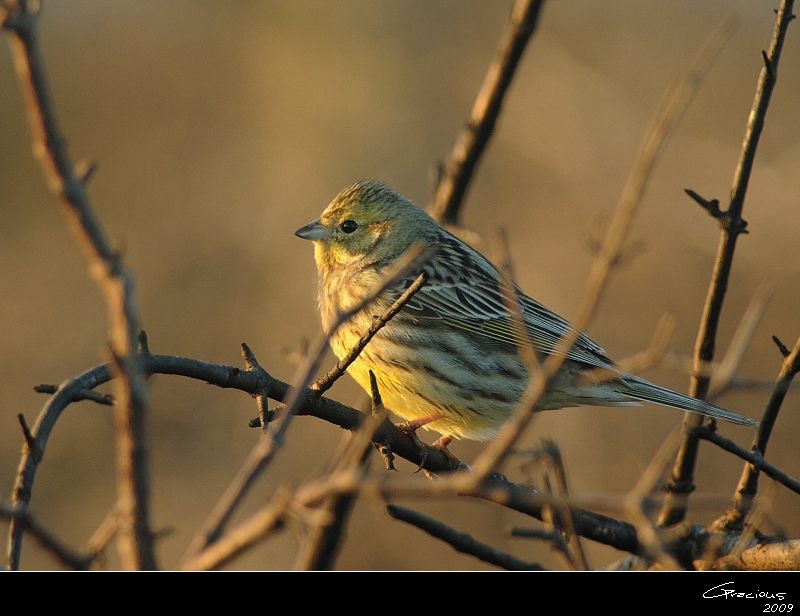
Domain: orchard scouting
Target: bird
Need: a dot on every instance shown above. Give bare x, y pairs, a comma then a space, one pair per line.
449, 361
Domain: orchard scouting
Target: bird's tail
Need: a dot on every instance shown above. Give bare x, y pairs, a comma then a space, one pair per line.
640, 389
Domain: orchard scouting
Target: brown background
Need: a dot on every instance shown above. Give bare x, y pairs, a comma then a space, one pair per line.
220, 128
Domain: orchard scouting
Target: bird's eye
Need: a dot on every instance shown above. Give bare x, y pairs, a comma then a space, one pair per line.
348, 226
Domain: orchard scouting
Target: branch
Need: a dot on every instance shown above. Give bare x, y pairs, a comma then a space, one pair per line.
665, 119
681, 481
460, 166
461, 542
296, 397
753, 458
115, 281
745, 492
64, 554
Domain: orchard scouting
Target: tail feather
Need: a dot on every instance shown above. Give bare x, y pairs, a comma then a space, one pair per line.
640, 389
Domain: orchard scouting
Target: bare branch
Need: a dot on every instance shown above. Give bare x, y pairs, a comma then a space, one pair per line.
781, 556
88, 394
296, 397
665, 119
460, 167
461, 542
251, 532
115, 281
64, 554
325, 382
681, 481
733, 519
753, 457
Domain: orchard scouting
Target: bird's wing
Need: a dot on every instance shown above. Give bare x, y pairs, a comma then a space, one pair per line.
478, 300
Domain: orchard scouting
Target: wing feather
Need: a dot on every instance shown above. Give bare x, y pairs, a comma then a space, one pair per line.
467, 292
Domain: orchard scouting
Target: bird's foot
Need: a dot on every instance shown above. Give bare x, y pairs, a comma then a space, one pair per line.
411, 427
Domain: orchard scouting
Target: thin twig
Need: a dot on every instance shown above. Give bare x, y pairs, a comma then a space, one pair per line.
754, 458
295, 398
87, 394
747, 487
115, 281
664, 121
326, 381
65, 555
104, 534
637, 502
461, 542
681, 481
460, 166
576, 553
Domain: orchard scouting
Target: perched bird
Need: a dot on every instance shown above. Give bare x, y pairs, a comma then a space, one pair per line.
450, 359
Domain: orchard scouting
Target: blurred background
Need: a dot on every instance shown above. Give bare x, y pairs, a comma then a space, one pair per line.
219, 128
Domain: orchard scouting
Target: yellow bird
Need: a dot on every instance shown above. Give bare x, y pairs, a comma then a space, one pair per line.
450, 358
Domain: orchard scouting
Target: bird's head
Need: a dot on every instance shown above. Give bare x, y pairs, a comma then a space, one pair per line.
367, 223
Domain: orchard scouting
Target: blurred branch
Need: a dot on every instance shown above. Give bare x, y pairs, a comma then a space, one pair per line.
461, 542
722, 377
780, 556
116, 282
252, 531
298, 395
325, 537
731, 224
88, 394
665, 119
460, 166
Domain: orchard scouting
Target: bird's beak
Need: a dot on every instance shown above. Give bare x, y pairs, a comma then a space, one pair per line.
312, 231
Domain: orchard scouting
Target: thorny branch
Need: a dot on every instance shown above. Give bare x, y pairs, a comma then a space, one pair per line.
297, 396
681, 481
733, 519
674, 103
116, 282
218, 549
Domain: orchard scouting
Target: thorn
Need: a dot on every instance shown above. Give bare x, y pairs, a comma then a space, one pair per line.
712, 207
84, 170
26, 432
377, 402
782, 347
768, 64
143, 348
163, 533
249, 357
265, 416
45, 388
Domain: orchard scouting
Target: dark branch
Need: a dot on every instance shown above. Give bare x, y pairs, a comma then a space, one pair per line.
64, 554
745, 493
461, 542
752, 457
325, 382
681, 481
86, 394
